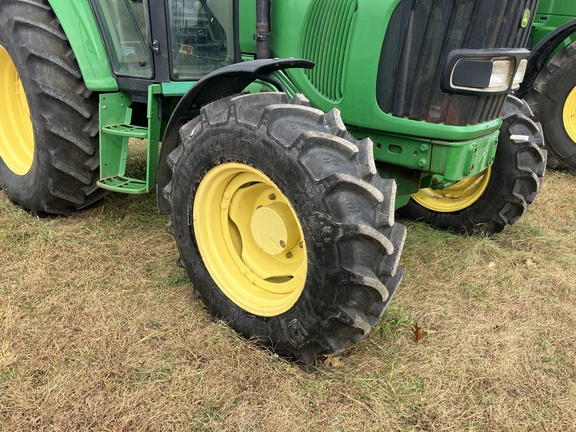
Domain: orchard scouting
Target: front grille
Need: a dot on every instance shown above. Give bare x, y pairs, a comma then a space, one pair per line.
419, 37
325, 38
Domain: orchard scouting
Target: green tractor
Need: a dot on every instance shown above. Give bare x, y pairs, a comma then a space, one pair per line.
550, 84
281, 137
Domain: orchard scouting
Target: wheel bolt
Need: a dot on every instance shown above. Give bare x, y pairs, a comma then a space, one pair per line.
282, 243
289, 255
272, 197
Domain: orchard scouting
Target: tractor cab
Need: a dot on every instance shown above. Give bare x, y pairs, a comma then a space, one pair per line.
195, 37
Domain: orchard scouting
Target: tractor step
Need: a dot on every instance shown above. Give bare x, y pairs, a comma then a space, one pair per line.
125, 130
123, 184
116, 131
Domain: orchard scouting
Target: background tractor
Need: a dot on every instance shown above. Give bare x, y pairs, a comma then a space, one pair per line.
550, 85
290, 132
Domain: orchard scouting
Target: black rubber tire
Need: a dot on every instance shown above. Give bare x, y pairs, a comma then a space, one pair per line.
345, 209
547, 99
64, 113
516, 177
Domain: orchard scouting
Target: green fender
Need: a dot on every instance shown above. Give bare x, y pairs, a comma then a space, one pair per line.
79, 24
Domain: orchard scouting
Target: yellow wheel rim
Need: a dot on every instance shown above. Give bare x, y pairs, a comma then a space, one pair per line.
16, 133
456, 197
569, 114
250, 239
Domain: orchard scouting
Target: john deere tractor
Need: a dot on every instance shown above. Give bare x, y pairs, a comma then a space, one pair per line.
281, 137
550, 85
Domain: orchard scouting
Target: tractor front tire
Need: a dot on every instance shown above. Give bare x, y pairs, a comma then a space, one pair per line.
283, 225
499, 196
48, 119
553, 100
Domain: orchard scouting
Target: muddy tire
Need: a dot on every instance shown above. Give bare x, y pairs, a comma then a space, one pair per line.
553, 100
48, 123
498, 197
283, 225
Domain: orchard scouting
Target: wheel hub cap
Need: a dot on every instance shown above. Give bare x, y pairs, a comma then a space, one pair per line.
250, 239
274, 229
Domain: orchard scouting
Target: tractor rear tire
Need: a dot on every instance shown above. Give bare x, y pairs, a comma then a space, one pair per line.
499, 196
553, 100
283, 225
48, 120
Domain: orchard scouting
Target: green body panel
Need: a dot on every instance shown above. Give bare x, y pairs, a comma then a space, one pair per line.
542, 27
358, 105
247, 23
551, 15
454, 160
77, 20
176, 88
154, 134
557, 7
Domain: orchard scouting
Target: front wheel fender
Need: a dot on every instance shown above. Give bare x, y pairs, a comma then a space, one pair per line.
218, 84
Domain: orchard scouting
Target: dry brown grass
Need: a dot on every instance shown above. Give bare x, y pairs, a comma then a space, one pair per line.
99, 331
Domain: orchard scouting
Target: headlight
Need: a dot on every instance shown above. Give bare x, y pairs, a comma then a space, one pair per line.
484, 71
519, 76
500, 77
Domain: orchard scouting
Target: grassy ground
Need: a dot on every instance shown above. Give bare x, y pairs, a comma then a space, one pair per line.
99, 331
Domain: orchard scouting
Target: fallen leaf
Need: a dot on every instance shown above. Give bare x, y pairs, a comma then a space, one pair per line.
419, 334
333, 361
